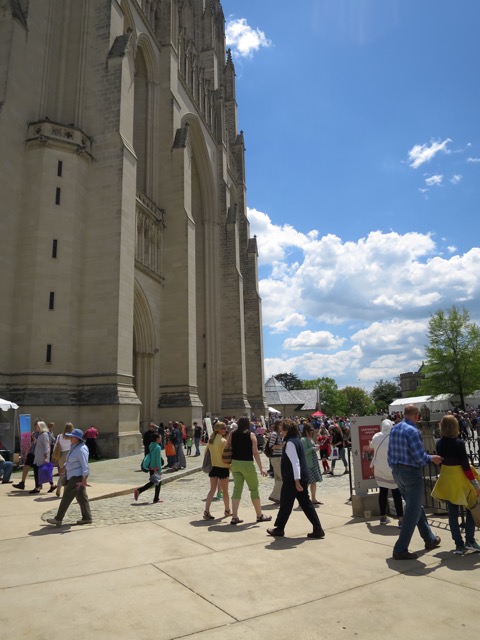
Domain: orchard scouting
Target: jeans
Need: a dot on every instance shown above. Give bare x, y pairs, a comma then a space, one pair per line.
455, 527
6, 469
410, 482
343, 458
197, 446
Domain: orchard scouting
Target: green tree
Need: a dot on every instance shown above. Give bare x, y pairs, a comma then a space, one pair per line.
289, 380
384, 392
331, 402
452, 362
357, 401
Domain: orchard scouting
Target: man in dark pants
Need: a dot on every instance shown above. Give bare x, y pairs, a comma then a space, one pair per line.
77, 471
295, 484
197, 434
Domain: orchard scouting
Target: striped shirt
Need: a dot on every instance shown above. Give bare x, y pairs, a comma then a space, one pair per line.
406, 446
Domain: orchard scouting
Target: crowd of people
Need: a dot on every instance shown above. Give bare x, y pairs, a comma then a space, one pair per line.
295, 449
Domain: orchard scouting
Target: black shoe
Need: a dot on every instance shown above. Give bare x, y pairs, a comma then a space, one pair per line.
82, 521
19, 485
405, 555
52, 489
276, 533
316, 533
432, 544
34, 491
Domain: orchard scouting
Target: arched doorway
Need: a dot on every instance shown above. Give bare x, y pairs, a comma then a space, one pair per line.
144, 351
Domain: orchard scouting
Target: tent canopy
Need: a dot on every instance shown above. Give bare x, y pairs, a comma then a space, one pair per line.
434, 403
317, 414
272, 410
5, 405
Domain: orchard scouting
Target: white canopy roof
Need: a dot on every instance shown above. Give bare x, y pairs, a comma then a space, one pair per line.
5, 405
434, 403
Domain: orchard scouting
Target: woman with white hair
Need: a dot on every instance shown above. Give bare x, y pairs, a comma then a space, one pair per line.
41, 454
383, 473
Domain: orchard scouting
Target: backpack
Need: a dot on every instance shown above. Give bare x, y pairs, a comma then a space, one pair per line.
145, 466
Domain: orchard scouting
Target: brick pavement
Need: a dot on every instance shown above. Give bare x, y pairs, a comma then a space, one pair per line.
182, 494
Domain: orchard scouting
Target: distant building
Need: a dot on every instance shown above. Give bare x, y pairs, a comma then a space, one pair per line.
409, 382
300, 402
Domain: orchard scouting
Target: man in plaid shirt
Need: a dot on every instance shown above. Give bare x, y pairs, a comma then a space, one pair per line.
407, 457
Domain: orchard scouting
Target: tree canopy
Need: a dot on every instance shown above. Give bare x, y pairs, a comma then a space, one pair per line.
384, 392
289, 380
452, 362
331, 402
356, 401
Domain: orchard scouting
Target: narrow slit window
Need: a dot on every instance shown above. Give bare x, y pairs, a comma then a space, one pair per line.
51, 300
49, 353
59, 168
54, 248
57, 195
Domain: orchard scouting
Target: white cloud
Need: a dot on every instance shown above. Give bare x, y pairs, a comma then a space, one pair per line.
242, 39
451, 248
318, 339
364, 304
474, 160
434, 180
293, 320
421, 153
456, 179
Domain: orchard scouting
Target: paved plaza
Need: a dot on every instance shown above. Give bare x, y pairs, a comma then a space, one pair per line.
160, 571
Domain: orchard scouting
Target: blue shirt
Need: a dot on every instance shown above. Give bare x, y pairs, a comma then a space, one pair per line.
76, 463
406, 446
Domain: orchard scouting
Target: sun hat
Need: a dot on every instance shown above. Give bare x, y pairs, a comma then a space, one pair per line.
76, 433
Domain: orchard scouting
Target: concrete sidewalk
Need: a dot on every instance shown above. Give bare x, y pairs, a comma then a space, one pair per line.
175, 576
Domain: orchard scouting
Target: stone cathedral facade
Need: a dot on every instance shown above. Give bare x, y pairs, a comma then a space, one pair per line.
128, 277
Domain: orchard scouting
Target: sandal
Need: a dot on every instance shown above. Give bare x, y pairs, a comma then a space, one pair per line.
208, 516
264, 518
316, 502
235, 521
228, 512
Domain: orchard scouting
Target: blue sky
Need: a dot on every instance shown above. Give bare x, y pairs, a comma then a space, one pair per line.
363, 166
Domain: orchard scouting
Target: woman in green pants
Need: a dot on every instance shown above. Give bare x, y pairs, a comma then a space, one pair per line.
244, 450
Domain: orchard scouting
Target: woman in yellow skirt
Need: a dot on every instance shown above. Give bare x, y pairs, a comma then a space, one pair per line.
458, 483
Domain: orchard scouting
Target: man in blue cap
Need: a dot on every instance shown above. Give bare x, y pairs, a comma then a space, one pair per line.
77, 471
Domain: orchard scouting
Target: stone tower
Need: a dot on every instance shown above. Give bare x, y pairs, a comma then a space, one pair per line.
128, 278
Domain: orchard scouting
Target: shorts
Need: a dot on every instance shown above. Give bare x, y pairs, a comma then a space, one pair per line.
219, 472
29, 459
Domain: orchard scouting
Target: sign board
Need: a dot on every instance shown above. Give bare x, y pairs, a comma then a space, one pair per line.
208, 425
362, 430
25, 435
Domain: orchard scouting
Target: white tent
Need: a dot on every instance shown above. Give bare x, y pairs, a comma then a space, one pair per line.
272, 410
5, 405
7, 429
434, 403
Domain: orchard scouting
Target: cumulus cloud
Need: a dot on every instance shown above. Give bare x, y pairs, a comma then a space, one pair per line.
318, 339
243, 39
293, 320
365, 304
456, 179
421, 153
434, 180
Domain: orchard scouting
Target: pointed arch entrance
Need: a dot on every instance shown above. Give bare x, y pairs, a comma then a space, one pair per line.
144, 351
